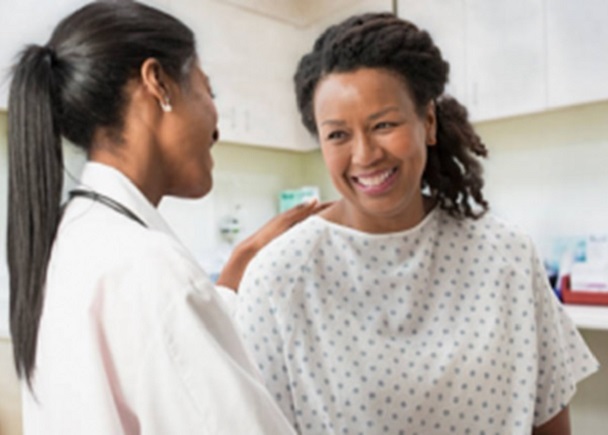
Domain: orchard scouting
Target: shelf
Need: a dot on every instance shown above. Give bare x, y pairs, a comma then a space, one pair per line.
588, 316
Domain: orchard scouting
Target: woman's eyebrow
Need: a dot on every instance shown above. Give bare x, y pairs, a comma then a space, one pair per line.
383, 112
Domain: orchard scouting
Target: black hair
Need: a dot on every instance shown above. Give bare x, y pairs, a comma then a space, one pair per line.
70, 88
453, 172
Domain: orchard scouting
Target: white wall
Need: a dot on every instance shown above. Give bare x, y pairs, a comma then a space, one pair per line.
548, 173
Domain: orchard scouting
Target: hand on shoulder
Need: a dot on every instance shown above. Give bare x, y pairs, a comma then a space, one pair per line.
243, 253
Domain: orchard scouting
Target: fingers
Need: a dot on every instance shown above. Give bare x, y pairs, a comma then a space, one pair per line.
309, 208
314, 204
300, 212
322, 206
282, 222
303, 211
289, 218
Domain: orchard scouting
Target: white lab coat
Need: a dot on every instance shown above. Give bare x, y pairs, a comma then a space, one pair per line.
133, 337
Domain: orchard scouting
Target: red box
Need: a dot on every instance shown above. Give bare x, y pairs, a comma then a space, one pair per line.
579, 297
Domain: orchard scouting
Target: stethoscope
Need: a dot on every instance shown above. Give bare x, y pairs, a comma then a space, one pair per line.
107, 201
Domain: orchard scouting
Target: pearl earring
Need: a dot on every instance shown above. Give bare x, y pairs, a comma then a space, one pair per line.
166, 106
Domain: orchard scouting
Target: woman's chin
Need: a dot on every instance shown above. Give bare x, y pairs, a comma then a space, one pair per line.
194, 191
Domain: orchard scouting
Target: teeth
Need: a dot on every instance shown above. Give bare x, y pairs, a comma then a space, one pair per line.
374, 180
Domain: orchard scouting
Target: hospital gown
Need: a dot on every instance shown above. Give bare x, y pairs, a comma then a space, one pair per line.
448, 327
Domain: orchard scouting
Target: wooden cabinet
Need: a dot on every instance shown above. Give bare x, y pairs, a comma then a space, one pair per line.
249, 58
577, 51
514, 57
495, 70
504, 58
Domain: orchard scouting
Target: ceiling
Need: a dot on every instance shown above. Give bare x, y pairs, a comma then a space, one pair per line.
300, 13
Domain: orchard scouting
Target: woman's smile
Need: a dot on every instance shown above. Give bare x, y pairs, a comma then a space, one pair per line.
377, 182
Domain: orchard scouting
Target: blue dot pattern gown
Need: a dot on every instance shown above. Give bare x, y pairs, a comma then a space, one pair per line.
446, 328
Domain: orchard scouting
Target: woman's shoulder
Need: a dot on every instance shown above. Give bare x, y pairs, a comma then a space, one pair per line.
294, 246
488, 230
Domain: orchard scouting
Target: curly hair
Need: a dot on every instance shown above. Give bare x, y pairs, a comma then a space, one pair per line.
453, 171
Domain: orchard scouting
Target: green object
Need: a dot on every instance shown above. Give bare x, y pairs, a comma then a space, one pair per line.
293, 197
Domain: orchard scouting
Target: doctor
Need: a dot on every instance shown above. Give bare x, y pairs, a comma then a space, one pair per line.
116, 330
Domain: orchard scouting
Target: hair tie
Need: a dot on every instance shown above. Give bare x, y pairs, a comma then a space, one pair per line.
48, 54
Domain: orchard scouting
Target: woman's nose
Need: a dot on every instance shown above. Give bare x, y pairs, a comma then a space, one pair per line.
365, 151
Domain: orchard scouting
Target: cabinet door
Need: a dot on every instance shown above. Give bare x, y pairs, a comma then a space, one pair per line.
445, 21
505, 65
577, 51
250, 59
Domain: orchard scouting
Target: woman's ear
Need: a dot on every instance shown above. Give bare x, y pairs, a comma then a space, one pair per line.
156, 82
431, 124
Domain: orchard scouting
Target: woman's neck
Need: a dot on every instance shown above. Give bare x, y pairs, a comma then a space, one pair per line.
137, 161
349, 215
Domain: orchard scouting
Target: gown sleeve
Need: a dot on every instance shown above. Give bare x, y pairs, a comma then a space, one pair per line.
563, 357
257, 319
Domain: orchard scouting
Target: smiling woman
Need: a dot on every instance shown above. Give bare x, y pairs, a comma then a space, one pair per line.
405, 307
374, 144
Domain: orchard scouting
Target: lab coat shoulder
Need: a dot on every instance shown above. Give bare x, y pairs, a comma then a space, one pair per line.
123, 258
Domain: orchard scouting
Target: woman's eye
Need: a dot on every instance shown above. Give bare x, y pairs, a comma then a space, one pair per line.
384, 125
336, 135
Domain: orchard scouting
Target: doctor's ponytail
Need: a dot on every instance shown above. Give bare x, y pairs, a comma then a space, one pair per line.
35, 183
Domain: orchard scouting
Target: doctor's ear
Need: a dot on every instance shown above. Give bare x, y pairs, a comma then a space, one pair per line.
156, 81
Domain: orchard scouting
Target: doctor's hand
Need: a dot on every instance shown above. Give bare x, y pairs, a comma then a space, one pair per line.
281, 223
243, 253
